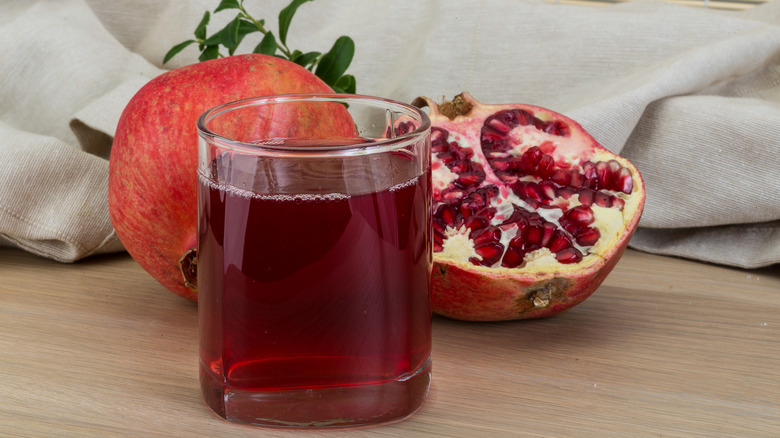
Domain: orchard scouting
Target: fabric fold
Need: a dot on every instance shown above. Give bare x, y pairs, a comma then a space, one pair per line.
691, 96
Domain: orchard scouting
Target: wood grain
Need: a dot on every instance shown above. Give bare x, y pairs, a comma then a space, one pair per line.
666, 347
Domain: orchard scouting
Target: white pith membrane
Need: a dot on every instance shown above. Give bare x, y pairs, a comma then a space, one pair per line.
570, 151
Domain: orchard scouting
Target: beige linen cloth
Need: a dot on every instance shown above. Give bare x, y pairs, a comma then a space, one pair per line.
690, 95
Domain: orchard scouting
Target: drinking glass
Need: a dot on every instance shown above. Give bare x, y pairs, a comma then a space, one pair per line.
314, 259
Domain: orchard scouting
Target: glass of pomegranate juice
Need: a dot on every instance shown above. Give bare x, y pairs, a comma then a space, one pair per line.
314, 260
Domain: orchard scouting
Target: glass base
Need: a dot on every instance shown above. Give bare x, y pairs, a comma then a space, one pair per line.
319, 407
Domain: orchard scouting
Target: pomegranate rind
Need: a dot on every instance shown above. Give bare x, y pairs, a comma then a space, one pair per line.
152, 169
462, 290
474, 293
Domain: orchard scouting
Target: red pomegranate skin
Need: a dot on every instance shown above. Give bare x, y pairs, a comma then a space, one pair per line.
461, 289
152, 170
459, 293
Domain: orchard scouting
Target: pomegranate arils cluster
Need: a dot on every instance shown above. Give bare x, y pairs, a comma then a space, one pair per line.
530, 212
521, 192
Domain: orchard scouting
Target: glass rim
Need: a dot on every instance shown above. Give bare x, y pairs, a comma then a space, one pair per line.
368, 147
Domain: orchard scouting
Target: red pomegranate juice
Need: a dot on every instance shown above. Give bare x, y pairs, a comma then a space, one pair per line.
312, 304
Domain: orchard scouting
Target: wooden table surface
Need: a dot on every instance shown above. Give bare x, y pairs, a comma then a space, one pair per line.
665, 348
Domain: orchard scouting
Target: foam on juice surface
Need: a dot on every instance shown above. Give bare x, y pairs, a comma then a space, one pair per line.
303, 197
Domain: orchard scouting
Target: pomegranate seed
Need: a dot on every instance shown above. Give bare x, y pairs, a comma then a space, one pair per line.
500, 126
460, 166
514, 163
467, 180
492, 142
589, 169
548, 190
485, 235
534, 235
559, 242
556, 128
490, 134
521, 234
590, 175
566, 192
580, 214
516, 242
487, 212
534, 154
447, 213
586, 196
518, 216
569, 255
523, 117
603, 175
561, 177
513, 257
490, 252
447, 157
527, 190
437, 247
618, 203
571, 227
508, 178
532, 191
545, 167
476, 200
476, 222
588, 236
438, 136
614, 170
439, 147
623, 182
577, 180
500, 164
548, 229
602, 199
491, 190
465, 153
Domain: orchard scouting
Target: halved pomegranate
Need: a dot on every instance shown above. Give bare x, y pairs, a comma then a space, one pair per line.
530, 212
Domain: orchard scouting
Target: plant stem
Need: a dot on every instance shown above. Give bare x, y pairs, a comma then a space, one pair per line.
282, 47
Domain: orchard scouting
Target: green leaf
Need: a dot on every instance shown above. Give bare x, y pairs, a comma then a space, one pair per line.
232, 37
334, 63
246, 27
211, 52
285, 18
228, 4
345, 84
267, 46
227, 36
304, 60
176, 49
200, 31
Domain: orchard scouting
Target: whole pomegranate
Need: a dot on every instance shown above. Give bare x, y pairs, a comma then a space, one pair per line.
152, 170
530, 212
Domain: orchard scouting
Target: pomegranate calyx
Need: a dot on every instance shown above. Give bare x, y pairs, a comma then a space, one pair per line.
460, 105
188, 265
